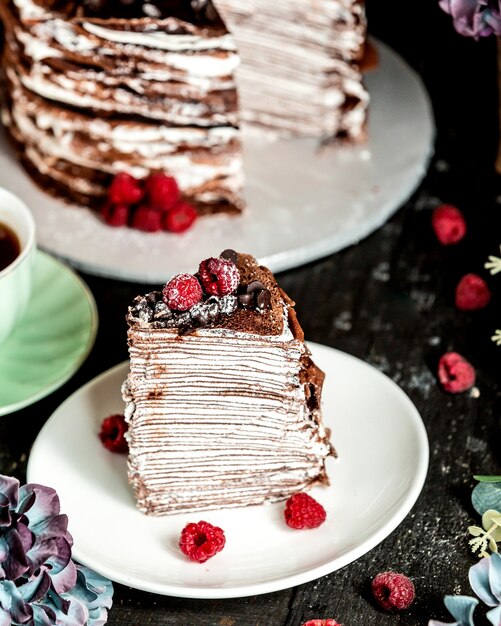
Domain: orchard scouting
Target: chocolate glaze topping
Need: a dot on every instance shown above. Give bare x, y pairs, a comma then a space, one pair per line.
257, 307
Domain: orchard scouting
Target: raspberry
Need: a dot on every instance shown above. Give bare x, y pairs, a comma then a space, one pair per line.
182, 292
125, 189
219, 277
115, 214
180, 218
392, 591
472, 293
302, 511
321, 622
147, 219
455, 373
449, 224
112, 433
162, 191
201, 541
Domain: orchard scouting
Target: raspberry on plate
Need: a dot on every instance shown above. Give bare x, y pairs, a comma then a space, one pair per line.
125, 189
147, 219
219, 277
112, 433
449, 224
303, 512
201, 541
182, 292
115, 214
392, 591
455, 373
162, 191
180, 218
472, 293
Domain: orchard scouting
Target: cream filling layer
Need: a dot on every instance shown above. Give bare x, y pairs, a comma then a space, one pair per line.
218, 419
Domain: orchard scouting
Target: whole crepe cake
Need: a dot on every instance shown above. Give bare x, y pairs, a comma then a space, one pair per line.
223, 399
93, 88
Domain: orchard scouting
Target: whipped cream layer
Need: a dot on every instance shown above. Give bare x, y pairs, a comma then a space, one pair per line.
89, 97
219, 419
299, 72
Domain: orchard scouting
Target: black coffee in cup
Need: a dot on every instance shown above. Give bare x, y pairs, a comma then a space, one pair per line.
10, 247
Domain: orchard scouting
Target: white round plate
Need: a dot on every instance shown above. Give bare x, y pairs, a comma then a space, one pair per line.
304, 203
383, 459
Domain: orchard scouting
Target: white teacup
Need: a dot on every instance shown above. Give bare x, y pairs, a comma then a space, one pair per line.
16, 278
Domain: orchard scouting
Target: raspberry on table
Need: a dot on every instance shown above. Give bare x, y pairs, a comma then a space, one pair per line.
201, 541
112, 433
179, 218
182, 292
219, 277
162, 191
455, 373
322, 622
147, 219
472, 293
125, 189
115, 214
449, 224
304, 512
392, 591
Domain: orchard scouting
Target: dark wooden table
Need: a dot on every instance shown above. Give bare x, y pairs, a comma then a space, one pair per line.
388, 300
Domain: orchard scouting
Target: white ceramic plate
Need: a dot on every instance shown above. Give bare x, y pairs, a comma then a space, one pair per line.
303, 203
383, 459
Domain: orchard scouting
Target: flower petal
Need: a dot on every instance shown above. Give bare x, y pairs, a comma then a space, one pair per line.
461, 608
479, 581
494, 616
495, 576
16, 564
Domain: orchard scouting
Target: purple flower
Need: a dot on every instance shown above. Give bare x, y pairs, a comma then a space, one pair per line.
474, 18
39, 583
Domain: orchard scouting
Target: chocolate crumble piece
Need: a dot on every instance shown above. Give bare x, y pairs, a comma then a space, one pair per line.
162, 311
153, 297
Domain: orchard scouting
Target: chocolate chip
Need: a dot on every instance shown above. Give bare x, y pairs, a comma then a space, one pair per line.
255, 285
230, 255
246, 300
198, 5
263, 299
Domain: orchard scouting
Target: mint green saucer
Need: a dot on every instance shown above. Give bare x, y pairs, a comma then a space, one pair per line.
52, 339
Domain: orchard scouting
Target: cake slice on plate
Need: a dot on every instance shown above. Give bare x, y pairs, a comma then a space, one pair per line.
222, 398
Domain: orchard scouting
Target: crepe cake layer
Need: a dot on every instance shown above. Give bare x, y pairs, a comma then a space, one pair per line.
226, 415
89, 97
299, 71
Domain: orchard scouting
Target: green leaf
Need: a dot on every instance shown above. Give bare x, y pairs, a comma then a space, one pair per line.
488, 479
486, 496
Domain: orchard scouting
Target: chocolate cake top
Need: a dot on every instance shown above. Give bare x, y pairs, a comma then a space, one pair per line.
231, 292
